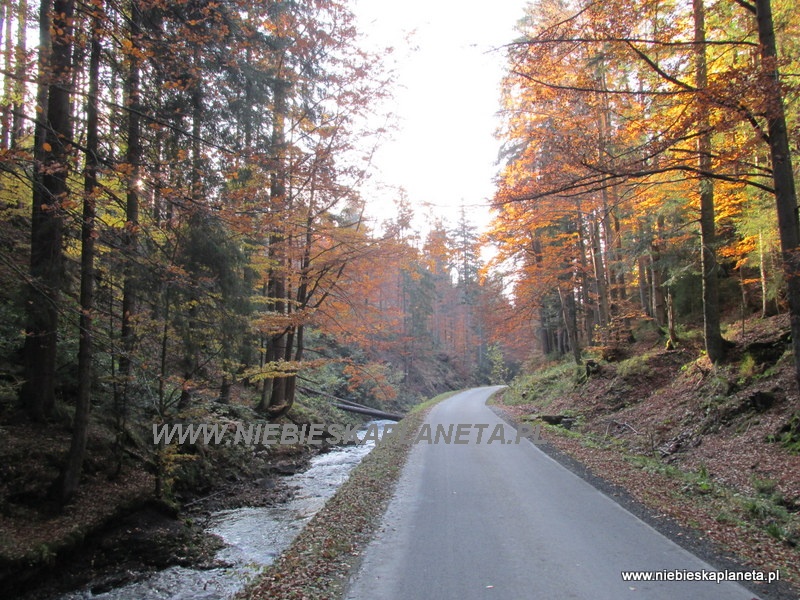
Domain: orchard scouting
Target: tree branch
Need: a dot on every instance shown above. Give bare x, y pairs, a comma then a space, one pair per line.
746, 5
590, 90
539, 41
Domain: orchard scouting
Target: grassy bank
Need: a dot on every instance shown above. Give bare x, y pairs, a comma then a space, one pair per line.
712, 448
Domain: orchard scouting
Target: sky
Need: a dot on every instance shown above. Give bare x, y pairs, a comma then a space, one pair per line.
443, 151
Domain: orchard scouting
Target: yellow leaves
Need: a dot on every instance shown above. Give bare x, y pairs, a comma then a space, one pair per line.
728, 201
745, 246
177, 271
131, 49
68, 203
178, 85
272, 323
575, 152
273, 370
374, 377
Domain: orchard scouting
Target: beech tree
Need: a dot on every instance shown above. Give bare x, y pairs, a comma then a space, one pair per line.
782, 172
708, 238
655, 107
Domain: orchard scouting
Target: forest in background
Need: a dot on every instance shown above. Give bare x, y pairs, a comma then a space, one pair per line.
647, 146
182, 229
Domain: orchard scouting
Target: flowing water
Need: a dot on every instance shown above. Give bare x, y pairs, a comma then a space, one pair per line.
253, 537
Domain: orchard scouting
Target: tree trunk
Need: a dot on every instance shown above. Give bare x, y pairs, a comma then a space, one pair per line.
600, 276
568, 312
657, 273
672, 336
544, 333
610, 196
133, 159
51, 151
191, 358
71, 473
644, 300
585, 302
783, 177
277, 249
762, 272
711, 325
20, 68
7, 81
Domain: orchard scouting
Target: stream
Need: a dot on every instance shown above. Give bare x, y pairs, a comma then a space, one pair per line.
253, 537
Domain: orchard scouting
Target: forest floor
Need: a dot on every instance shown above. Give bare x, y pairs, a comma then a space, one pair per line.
116, 530
128, 545
715, 450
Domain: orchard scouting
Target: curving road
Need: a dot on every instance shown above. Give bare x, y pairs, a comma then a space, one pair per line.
502, 520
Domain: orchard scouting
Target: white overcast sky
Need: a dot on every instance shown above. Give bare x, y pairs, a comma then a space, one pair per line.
446, 98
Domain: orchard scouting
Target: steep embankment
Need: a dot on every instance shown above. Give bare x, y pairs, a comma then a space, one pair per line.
714, 449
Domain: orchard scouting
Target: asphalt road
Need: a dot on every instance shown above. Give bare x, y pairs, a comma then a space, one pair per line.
502, 520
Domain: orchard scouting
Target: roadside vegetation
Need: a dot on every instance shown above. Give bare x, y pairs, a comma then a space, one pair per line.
714, 448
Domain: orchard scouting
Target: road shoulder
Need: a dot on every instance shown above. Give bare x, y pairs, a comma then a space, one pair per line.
688, 538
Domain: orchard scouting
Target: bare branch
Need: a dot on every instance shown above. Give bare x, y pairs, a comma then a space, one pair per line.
591, 90
661, 73
540, 41
746, 5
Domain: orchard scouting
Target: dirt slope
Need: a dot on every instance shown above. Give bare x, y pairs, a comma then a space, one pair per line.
715, 449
